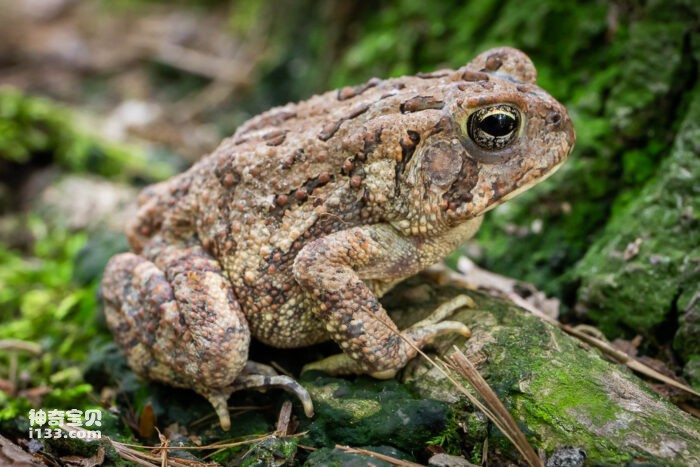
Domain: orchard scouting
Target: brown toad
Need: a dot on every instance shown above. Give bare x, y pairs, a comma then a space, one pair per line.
293, 227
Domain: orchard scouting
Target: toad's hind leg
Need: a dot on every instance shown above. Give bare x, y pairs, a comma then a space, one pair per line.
177, 321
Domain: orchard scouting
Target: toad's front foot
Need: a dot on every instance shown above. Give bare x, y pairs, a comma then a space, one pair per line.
420, 334
413, 339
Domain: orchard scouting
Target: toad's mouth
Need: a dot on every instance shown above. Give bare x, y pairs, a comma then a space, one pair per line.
525, 187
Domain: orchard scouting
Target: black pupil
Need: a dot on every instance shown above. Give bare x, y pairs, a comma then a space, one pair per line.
499, 124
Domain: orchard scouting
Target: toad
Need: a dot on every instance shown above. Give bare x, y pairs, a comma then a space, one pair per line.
295, 226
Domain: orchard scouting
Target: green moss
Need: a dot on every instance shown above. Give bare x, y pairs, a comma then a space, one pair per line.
549, 392
271, 452
368, 412
450, 439
635, 272
559, 393
692, 371
42, 299
39, 301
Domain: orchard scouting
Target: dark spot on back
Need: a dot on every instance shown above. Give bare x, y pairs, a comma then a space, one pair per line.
359, 110
225, 173
293, 158
297, 196
443, 124
271, 119
275, 137
493, 62
460, 191
371, 141
408, 143
331, 128
352, 91
469, 75
418, 103
526, 88
432, 75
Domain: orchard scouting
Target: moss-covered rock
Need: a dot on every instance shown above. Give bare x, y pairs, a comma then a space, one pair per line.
692, 371
271, 451
367, 412
687, 338
337, 457
559, 392
649, 254
624, 107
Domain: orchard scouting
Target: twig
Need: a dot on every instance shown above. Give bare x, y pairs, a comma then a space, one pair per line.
625, 359
195, 62
282, 427
376, 455
631, 362
138, 454
236, 411
13, 346
20, 346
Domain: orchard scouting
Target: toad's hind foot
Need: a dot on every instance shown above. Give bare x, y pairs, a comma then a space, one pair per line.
219, 397
277, 381
219, 400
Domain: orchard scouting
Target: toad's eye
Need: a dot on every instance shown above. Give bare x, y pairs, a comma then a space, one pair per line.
494, 127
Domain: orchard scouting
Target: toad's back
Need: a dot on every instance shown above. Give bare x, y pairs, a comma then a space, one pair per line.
294, 174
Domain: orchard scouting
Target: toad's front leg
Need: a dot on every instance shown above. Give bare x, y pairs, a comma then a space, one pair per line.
333, 269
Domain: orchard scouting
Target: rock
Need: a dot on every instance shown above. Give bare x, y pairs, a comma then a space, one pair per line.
560, 392
626, 116
445, 460
336, 456
692, 371
648, 255
687, 338
85, 202
567, 399
567, 456
368, 412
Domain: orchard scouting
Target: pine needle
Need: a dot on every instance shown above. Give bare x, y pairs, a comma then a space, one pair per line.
505, 422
